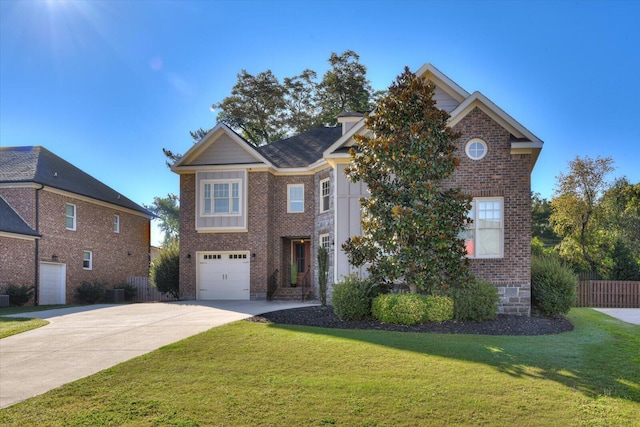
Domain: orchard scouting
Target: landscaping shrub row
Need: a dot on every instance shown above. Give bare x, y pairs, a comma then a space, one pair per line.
553, 292
358, 299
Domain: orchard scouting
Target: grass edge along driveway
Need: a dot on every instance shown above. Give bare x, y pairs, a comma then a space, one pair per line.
256, 374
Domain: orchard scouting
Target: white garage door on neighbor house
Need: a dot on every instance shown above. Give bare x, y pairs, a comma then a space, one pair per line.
223, 276
52, 283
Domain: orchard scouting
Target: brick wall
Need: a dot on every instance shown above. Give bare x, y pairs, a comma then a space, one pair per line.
115, 255
269, 225
17, 261
501, 174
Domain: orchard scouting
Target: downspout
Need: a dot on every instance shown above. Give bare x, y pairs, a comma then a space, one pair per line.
36, 272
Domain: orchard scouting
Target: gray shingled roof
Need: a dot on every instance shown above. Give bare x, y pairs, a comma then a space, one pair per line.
300, 150
11, 222
39, 165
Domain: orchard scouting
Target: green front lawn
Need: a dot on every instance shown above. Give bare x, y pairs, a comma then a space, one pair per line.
250, 374
15, 325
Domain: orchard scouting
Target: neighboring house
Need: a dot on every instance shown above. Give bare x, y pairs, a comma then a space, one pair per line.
247, 213
60, 227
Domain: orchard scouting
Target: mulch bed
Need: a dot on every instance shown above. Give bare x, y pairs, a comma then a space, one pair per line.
323, 317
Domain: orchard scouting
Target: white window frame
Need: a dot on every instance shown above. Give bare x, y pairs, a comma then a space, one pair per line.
212, 183
472, 154
72, 217
325, 197
290, 200
89, 266
324, 242
476, 228
116, 223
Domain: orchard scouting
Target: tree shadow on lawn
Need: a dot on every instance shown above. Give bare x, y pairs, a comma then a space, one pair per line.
601, 357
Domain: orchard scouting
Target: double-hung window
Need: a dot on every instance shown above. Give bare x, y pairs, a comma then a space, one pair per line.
484, 237
70, 220
325, 191
87, 260
221, 197
295, 198
116, 223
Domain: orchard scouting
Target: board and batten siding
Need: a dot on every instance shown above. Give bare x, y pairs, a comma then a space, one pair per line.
224, 150
222, 222
347, 220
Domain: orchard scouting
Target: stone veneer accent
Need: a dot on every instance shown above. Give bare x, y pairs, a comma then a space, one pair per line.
324, 224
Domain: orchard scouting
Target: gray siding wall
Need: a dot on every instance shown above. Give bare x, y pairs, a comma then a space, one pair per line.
224, 151
445, 101
347, 214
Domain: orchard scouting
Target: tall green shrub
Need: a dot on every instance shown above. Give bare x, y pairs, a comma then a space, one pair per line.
90, 293
553, 286
475, 302
323, 273
19, 295
352, 298
165, 271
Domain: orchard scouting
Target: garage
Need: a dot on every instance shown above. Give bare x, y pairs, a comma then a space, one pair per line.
223, 276
52, 283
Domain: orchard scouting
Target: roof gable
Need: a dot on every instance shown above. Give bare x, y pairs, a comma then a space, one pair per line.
220, 146
41, 166
458, 103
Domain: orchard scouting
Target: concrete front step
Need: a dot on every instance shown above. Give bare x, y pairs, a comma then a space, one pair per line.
293, 294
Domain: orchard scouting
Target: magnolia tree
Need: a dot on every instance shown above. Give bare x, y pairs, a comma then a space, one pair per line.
410, 222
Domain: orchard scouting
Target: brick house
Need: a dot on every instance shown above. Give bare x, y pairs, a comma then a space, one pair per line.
60, 227
248, 213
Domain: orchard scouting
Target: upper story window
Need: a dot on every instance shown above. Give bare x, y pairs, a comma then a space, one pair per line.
70, 219
295, 198
476, 149
325, 191
220, 197
484, 238
87, 260
116, 223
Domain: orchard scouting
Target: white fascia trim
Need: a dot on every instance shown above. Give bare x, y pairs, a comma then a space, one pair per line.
477, 99
210, 230
219, 168
343, 139
443, 82
18, 236
29, 184
210, 138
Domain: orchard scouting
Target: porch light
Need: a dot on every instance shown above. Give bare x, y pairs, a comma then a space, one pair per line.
189, 257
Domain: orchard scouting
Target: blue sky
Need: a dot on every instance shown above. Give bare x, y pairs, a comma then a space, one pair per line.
107, 84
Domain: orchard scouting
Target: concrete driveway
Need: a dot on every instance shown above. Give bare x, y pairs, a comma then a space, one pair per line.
81, 341
629, 315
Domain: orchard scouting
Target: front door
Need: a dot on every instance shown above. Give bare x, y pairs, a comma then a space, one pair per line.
301, 257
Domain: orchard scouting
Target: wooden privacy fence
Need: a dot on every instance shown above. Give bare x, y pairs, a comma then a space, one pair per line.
146, 292
608, 294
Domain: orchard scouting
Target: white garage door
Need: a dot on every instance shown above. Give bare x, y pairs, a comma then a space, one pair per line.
52, 283
223, 276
